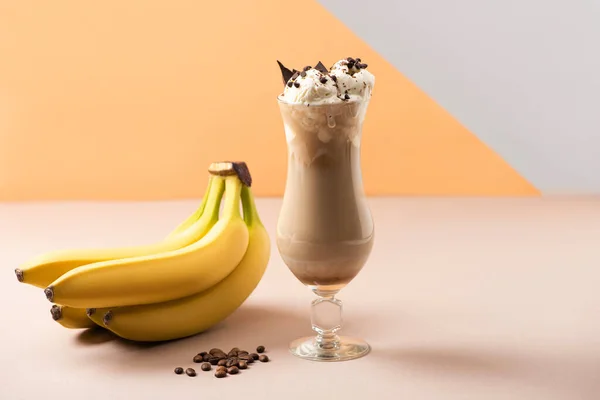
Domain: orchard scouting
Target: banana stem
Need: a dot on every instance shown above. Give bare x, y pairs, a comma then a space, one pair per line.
233, 187
250, 214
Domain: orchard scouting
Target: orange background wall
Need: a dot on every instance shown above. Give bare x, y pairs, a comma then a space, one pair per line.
133, 100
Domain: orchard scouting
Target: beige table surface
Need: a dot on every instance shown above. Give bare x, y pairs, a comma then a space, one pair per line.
461, 299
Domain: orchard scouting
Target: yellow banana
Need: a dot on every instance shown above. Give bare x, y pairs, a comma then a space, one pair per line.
72, 318
46, 268
194, 314
182, 227
165, 276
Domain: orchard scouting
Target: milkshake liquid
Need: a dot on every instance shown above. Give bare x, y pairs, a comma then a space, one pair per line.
325, 229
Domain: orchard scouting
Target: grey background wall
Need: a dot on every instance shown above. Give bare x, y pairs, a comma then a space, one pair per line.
523, 75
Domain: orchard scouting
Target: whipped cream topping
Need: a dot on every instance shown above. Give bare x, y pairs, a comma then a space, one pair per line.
346, 80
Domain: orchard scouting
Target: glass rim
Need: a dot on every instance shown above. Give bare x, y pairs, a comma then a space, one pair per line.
351, 101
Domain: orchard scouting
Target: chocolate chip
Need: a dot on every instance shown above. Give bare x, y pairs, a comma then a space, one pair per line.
303, 74
297, 84
306, 68
346, 97
179, 370
190, 372
321, 68
290, 83
206, 367
333, 78
323, 80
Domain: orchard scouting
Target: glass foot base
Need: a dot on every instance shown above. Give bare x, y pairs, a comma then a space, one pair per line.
349, 349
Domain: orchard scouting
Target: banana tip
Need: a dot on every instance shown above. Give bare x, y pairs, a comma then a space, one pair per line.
49, 292
107, 317
90, 311
19, 274
56, 312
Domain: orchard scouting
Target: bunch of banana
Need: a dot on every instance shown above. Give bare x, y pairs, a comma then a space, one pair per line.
198, 275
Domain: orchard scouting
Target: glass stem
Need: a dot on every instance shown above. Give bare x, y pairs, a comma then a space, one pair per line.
326, 319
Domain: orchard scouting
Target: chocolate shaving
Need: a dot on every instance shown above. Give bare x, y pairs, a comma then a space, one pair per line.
350, 59
286, 74
323, 80
350, 64
333, 78
306, 68
363, 65
296, 74
346, 97
321, 68
303, 74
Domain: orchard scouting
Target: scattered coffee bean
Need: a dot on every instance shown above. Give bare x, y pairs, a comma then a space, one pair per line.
231, 362
213, 360
232, 353
250, 360
263, 358
198, 358
215, 350
205, 366
222, 362
202, 353
260, 349
243, 365
179, 370
254, 356
190, 372
242, 353
206, 357
221, 373
245, 357
221, 368
233, 370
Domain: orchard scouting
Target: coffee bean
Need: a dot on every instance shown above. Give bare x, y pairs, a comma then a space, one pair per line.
215, 350
222, 362
202, 353
243, 365
250, 360
221, 368
206, 357
232, 353
190, 372
245, 357
221, 373
213, 360
263, 358
198, 358
206, 366
260, 349
242, 353
236, 349
179, 370
231, 362
233, 370
254, 356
